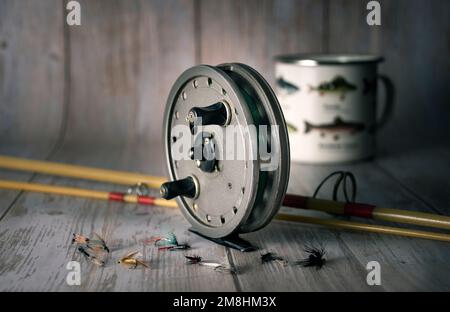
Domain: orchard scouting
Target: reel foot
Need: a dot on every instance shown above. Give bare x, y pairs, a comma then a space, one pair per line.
233, 241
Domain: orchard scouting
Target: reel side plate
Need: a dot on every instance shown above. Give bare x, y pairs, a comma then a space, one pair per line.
227, 194
232, 196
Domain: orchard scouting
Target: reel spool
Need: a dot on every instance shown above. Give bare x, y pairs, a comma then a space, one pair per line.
222, 197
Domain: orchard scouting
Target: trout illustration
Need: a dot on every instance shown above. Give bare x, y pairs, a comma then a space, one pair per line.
338, 126
338, 85
285, 87
291, 128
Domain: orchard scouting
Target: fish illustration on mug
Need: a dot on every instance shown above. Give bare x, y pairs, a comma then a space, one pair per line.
335, 128
291, 128
286, 87
337, 85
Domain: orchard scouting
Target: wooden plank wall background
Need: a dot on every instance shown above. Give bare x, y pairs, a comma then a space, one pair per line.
106, 82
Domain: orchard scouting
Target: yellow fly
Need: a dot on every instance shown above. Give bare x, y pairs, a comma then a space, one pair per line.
130, 260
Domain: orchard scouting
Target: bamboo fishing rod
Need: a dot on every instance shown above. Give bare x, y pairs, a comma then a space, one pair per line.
356, 226
148, 200
295, 201
368, 211
86, 193
80, 172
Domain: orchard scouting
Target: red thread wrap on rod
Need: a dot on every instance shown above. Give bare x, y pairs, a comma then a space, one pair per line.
350, 209
146, 200
359, 210
295, 201
116, 196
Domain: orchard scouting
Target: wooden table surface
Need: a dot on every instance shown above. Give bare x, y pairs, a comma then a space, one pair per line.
36, 231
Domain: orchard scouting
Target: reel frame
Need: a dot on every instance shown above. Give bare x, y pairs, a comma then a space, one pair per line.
238, 196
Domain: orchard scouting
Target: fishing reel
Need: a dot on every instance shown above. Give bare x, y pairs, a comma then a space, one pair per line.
227, 151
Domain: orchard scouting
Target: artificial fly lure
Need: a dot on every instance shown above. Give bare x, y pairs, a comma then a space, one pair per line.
215, 265
193, 259
168, 242
79, 239
315, 259
98, 244
270, 256
90, 257
130, 260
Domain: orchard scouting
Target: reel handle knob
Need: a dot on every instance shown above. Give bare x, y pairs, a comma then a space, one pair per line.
215, 114
185, 187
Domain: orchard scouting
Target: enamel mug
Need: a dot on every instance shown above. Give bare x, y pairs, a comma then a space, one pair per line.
330, 105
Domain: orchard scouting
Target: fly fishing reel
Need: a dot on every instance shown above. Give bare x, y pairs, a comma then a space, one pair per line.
227, 151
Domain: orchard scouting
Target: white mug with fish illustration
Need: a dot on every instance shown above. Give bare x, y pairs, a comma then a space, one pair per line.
329, 103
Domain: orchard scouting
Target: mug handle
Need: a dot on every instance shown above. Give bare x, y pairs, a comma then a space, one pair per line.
388, 103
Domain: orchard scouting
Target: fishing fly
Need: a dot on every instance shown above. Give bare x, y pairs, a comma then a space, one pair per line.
270, 256
169, 242
98, 244
193, 259
79, 239
315, 258
219, 267
131, 261
90, 257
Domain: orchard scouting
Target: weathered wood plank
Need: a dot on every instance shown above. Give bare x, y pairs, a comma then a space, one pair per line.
253, 32
406, 264
47, 222
342, 272
31, 71
124, 59
424, 172
36, 233
348, 31
23, 150
31, 82
415, 42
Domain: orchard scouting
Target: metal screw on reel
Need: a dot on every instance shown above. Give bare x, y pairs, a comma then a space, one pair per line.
218, 196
